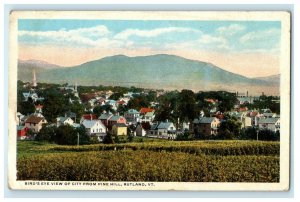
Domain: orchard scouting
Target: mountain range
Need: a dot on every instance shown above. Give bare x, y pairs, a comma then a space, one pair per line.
155, 71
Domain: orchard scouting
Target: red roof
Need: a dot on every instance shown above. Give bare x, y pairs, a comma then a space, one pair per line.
121, 102
90, 116
243, 109
39, 106
34, 119
145, 110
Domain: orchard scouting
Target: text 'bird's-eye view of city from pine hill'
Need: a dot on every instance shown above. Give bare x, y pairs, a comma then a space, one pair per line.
161, 101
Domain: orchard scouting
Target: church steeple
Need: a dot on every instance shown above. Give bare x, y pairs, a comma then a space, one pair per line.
34, 83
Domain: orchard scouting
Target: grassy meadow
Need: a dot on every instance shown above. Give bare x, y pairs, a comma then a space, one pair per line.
151, 160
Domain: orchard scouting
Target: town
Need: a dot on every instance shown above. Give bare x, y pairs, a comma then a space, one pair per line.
72, 114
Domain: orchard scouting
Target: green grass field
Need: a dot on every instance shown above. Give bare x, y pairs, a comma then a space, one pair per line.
176, 161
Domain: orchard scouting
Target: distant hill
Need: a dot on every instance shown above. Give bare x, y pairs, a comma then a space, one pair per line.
155, 71
272, 78
25, 68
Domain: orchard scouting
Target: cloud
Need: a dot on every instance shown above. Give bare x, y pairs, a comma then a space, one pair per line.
153, 32
81, 36
260, 36
231, 29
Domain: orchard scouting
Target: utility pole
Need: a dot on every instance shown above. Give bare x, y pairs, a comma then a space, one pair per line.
257, 134
77, 139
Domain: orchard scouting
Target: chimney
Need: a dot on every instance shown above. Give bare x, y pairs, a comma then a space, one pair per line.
247, 93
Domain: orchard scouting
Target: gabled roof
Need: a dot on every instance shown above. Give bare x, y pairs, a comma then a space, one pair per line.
119, 125
132, 111
268, 120
115, 118
89, 116
164, 125
62, 119
154, 127
150, 113
91, 123
145, 110
105, 116
204, 120
34, 119
21, 127
268, 114
121, 102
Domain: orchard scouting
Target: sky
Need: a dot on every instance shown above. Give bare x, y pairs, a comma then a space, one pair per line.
249, 48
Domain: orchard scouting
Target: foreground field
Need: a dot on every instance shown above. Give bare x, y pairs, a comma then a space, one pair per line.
198, 161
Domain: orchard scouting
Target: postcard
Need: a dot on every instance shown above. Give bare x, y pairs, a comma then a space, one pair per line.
149, 100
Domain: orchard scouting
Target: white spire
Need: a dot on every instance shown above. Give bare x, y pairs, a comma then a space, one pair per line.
34, 83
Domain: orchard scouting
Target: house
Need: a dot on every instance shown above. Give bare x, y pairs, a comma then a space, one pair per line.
166, 130
121, 102
39, 108
206, 126
72, 115
34, 96
35, 123
148, 117
254, 115
21, 132
269, 115
153, 130
119, 129
105, 117
116, 119
112, 103
141, 129
95, 128
88, 117
272, 124
20, 118
132, 115
143, 111
64, 121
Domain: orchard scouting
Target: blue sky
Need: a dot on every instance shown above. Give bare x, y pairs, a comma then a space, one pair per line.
160, 36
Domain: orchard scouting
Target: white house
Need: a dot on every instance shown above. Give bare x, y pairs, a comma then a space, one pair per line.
272, 124
95, 128
132, 116
140, 130
64, 121
148, 117
166, 130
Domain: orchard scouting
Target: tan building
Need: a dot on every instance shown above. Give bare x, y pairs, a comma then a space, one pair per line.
35, 123
119, 129
206, 126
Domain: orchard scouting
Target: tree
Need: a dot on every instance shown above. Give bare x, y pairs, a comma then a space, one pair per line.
230, 128
268, 135
116, 96
249, 133
122, 109
138, 102
54, 104
98, 110
187, 105
47, 133
168, 107
67, 135
108, 139
25, 107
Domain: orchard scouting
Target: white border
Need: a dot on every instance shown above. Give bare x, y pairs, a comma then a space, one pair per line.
155, 15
